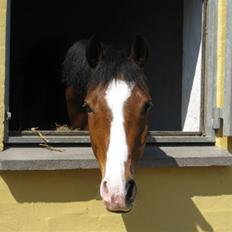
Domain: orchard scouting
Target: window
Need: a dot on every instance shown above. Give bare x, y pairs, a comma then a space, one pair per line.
181, 66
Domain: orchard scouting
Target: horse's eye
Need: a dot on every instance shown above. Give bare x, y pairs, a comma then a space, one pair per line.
87, 108
147, 106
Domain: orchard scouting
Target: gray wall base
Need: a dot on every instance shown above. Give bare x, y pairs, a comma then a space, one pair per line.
31, 158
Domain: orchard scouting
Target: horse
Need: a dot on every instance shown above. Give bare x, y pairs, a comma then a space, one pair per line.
107, 93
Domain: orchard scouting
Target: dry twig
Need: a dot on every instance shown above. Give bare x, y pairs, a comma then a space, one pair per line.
45, 144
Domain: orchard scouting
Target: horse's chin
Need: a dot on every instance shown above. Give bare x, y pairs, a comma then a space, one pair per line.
125, 210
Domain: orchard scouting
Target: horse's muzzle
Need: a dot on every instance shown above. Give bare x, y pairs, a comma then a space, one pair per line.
119, 202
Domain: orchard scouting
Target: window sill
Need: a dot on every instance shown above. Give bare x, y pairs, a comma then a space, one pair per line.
31, 158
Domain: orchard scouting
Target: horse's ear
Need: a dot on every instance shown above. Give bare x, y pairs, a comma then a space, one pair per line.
139, 51
93, 51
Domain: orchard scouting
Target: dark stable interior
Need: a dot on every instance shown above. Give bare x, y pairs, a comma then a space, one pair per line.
42, 31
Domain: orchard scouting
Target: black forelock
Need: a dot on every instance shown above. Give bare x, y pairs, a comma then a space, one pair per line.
114, 64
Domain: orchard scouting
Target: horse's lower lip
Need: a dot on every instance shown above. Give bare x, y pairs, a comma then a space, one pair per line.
118, 210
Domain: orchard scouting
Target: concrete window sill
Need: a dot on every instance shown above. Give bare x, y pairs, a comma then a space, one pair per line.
35, 158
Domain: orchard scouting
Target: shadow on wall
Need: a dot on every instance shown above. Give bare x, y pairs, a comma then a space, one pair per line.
164, 201
53, 186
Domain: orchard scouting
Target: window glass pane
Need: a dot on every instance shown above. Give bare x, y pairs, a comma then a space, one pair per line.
191, 75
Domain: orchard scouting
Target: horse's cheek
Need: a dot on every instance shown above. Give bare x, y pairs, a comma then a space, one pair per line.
144, 135
98, 140
92, 132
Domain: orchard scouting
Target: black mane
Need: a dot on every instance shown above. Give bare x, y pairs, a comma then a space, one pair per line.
75, 68
113, 63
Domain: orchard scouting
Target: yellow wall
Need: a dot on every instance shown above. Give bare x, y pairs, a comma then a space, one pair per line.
169, 199
175, 200
223, 142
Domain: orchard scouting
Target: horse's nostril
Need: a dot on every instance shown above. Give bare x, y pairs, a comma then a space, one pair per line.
130, 191
105, 187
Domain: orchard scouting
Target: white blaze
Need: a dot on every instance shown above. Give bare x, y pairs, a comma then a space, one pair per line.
117, 94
